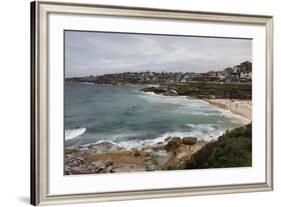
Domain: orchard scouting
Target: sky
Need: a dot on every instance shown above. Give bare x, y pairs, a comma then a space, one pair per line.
97, 53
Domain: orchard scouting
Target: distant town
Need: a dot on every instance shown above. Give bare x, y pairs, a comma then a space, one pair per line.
236, 74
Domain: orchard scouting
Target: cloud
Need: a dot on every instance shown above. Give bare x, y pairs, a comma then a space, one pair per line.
99, 53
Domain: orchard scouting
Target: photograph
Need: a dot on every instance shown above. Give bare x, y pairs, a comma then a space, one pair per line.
138, 102
132, 103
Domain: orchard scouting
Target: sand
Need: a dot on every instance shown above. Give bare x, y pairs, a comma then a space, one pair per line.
240, 107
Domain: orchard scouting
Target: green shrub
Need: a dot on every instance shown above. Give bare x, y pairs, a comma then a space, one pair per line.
232, 149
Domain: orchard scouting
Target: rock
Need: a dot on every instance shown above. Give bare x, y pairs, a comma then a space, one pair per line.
159, 142
135, 152
171, 92
67, 170
156, 90
109, 169
99, 169
69, 156
145, 146
129, 168
78, 170
103, 147
158, 147
173, 144
212, 97
108, 163
183, 152
189, 140
168, 138
145, 154
101, 166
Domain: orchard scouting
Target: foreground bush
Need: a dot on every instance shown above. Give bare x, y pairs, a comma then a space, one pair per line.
232, 149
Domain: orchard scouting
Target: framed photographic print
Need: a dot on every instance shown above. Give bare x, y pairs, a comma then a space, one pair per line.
134, 103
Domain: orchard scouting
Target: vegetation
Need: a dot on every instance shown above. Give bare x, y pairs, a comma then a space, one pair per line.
232, 149
205, 90
214, 85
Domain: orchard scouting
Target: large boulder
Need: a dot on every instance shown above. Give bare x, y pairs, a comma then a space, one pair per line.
173, 144
189, 140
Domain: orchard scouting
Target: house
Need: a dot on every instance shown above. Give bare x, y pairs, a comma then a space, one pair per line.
246, 75
247, 65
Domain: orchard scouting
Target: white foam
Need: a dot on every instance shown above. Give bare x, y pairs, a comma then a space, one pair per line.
201, 131
229, 113
73, 133
155, 98
87, 83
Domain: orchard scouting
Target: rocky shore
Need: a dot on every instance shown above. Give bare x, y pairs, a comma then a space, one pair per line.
232, 149
172, 153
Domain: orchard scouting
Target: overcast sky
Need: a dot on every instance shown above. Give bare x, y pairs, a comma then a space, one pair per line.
96, 53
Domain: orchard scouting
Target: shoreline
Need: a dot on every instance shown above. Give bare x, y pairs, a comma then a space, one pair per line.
239, 107
174, 153
236, 106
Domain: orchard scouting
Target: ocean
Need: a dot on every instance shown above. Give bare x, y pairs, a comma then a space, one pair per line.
128, 117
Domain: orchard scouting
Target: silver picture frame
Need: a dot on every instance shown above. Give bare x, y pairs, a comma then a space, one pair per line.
39, 100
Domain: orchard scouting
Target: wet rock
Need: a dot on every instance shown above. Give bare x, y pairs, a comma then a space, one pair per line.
168, 138
157, 90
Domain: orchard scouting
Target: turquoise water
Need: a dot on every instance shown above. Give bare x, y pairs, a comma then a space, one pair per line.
128, 117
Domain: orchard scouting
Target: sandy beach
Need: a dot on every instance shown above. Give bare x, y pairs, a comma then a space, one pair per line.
240, 107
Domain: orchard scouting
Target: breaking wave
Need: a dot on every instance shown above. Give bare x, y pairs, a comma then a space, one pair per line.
73, 133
